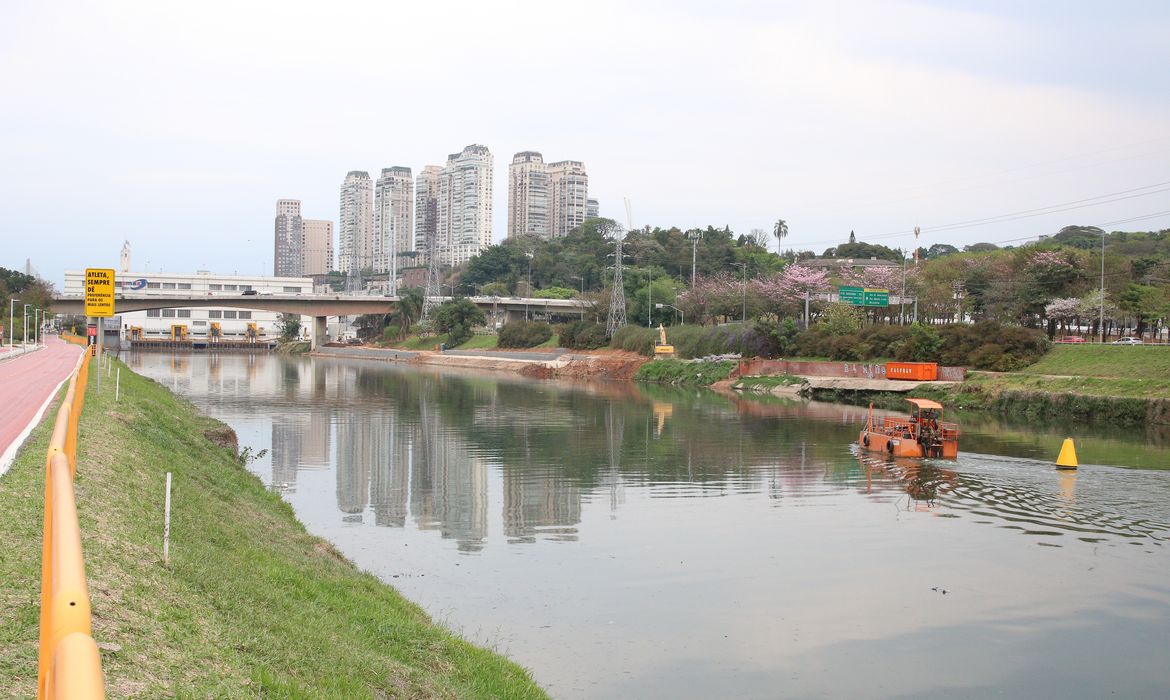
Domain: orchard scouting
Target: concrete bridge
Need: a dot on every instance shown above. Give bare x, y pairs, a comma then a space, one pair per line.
318, 306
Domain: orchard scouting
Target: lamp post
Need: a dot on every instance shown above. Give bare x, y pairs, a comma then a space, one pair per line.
649, 296
744, 266
529, 295
24, 338
12, 322
582, 279
38, 317
682, 316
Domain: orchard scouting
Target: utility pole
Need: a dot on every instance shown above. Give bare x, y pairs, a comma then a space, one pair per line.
1102, 321
694, 235
744, 266
902, 296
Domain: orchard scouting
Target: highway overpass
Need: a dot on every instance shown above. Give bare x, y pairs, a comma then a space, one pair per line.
318, 306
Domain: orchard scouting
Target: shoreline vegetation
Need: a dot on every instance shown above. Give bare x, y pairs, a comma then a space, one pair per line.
250, 605
1093, 383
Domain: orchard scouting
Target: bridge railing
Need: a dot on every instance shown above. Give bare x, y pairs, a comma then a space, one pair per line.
69, 664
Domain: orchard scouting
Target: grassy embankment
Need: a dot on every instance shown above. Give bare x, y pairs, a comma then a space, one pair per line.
250, 605
476, 342
1112, 384
687, 373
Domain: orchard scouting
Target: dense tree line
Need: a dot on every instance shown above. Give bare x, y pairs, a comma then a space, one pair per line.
1051, 284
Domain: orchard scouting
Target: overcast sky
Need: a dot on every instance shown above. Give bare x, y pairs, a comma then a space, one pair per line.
177, 126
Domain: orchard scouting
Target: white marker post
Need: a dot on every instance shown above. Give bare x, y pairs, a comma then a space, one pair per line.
167, 525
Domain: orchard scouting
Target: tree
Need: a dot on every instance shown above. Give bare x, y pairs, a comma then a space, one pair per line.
407, 311
758, 237
780, 231
289, 326
456, 318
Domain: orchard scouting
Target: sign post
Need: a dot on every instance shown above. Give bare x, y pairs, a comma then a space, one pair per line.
99, 303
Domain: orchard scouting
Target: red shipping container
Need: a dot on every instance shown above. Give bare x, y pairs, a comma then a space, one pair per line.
916, 371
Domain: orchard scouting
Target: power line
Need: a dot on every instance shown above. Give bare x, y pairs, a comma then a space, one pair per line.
1122, 195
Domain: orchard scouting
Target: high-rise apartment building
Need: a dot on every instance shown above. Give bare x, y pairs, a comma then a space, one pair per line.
528, 196
393, 219
465, 205
426, 208
568, 196
317, 246
355, 223
592, 209
288, 251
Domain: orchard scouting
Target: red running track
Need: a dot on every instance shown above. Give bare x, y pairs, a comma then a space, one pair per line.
26, 382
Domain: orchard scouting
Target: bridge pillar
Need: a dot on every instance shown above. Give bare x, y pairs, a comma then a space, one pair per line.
319, 329
514, 314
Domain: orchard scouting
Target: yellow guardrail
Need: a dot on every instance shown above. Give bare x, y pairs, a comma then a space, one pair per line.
69, 665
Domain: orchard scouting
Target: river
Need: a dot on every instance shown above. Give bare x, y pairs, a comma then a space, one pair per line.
644, 542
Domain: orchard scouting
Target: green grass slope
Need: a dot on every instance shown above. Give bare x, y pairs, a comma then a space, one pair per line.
250, 606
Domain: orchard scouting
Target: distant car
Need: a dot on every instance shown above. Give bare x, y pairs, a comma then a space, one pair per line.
250, 292
1070, 339
1127, 341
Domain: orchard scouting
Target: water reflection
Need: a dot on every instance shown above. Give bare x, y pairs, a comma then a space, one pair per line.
629, 541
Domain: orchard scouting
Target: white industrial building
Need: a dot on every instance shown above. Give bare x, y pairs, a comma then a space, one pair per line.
198, 323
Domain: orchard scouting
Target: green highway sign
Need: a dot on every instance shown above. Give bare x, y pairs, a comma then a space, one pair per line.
852, 295
877, 297
864, 296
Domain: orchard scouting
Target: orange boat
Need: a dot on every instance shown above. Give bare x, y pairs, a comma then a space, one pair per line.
923, 434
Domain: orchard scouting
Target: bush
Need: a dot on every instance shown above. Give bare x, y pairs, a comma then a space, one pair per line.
991, 346
923, 344
583, 335
696, 341
524, 334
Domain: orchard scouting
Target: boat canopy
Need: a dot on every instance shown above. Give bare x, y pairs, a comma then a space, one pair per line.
925, 403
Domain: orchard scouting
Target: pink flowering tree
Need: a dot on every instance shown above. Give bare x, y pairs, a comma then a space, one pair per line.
783, 293
713, 296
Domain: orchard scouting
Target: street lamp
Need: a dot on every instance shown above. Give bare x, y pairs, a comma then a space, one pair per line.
579, 277
11, 322
37, 314
529, 295
681, 315
744, 266
24, 339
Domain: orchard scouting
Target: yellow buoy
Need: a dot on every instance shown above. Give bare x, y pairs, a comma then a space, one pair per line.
1068, 455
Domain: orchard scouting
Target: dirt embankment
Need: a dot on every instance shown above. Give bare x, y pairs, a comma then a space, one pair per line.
598, 364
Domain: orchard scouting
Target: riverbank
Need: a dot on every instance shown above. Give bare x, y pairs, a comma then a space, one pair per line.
250, 604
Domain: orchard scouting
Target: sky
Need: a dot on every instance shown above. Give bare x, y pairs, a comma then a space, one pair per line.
177, 126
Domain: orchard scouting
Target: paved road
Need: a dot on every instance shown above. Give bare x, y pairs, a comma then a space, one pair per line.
26, 385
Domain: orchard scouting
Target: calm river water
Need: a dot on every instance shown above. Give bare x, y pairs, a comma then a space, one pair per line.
631, 542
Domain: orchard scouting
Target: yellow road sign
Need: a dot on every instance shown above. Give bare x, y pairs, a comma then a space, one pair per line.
99, 292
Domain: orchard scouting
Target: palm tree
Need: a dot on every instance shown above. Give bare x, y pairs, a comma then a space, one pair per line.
408, 312
780, 231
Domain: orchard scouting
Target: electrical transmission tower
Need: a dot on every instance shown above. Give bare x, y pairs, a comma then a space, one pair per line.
617, 299
431, 295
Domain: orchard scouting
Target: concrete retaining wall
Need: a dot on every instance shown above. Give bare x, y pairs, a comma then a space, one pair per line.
864, 370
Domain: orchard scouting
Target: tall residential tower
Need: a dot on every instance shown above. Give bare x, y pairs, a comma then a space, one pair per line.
527, 195
355, 223
393, 219
568, 196
465, 205
288, 252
